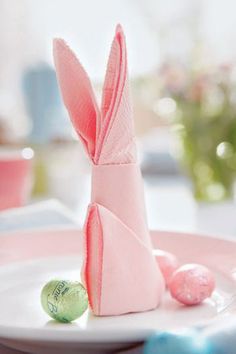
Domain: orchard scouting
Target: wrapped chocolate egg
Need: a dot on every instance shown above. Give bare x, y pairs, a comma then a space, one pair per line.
167, 262
191, 284
64, 300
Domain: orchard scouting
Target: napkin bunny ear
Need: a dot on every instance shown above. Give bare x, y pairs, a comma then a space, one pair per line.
108, 137
115, 61
77, 94
116, 139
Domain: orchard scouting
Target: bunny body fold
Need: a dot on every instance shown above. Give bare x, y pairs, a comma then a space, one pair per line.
119, 270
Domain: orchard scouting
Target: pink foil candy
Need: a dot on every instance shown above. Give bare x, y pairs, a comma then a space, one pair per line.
191, 284
167, 262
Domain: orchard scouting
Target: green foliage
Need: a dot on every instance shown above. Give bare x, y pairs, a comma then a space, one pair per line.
206, 126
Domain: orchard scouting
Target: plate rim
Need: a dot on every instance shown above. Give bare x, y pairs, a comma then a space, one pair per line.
27, 334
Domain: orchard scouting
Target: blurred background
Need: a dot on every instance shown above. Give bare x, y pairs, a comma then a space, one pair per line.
181, 56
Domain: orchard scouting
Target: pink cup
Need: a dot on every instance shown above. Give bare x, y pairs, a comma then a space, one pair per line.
15, 177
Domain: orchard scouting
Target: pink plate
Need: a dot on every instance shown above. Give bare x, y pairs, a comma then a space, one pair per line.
29, 259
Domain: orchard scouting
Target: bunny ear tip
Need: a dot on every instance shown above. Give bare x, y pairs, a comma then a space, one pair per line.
58, 43
119, 28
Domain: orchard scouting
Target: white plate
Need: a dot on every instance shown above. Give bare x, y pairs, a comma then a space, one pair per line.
24, 325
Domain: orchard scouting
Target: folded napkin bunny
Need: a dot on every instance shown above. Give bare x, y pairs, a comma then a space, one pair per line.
119, 272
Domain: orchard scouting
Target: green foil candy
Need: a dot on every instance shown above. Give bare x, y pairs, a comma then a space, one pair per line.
64, 300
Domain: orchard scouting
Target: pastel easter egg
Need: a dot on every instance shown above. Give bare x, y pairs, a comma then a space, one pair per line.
167, 262
185, 342
191, 284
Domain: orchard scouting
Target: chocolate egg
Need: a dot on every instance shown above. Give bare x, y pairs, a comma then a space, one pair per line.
64, 300
167, 262
191, 284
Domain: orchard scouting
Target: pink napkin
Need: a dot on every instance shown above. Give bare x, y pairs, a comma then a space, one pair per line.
119, 272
